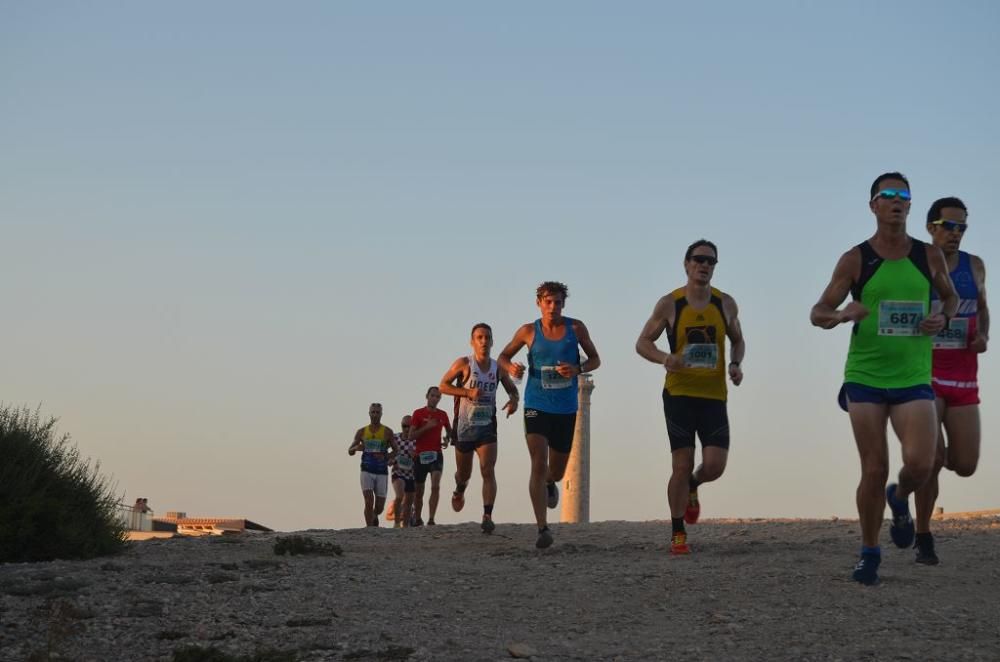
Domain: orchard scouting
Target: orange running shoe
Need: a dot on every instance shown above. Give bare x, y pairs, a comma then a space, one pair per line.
678, 543
457, 501
693, 509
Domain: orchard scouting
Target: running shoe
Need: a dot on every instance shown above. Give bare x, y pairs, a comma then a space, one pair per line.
693, 509
417, 522
457, 501
866, 571
901, 530
678, 544
925, 550
487, 526
431, 522
553, 494
544, 539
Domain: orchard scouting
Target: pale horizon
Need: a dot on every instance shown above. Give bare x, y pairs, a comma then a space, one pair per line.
231, 227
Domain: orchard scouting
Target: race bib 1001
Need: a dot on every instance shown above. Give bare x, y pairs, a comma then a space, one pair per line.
552, 379
701, 355
955, 336
900, 318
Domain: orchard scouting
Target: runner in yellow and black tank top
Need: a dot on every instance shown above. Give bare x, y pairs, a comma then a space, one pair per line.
700, 337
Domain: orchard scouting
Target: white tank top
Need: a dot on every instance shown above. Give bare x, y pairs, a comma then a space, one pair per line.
479, 413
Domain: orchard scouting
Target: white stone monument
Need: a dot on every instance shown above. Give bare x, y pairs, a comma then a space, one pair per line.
576, 482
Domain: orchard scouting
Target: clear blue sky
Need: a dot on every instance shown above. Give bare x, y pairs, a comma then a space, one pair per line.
230, 226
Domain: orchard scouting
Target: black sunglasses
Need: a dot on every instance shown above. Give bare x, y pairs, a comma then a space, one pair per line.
705, 259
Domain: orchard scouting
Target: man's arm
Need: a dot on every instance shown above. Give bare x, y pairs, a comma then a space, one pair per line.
941, 281
593, 360
521, 338
825, 314
449, 433
657, 323
457, 374
392, 444
358, 443
982, 338
512, 394
735, 332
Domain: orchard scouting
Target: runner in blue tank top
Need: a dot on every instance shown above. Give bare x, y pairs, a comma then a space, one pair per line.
550, 398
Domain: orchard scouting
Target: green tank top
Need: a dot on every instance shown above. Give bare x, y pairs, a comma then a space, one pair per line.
887, 348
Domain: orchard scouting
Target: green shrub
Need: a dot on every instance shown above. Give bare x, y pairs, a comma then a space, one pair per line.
53, 503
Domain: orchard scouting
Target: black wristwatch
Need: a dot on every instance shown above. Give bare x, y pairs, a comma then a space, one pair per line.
735, 363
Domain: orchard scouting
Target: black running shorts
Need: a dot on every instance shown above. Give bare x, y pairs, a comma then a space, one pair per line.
687, 416
556, 428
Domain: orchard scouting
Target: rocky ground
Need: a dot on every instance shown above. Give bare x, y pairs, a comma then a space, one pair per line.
752, 590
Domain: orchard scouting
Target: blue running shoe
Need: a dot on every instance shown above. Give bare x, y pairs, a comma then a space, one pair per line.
866, 571
901, 530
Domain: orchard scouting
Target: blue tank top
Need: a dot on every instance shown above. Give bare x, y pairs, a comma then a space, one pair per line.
546, 390
965, 285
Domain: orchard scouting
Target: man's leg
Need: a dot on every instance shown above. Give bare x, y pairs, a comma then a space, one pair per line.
408, 507
369, 496
963, 427
916, 425
682, 462
926, 496
418, 497
538, 449
713, 463
397, 503
463, 472
868, 420
487, 469
432, 502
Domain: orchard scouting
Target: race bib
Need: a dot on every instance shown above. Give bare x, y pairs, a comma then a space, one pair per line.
428, 457
701, 355
900, 318
374, 446
404, 461
481, 415
552, 379
954, 337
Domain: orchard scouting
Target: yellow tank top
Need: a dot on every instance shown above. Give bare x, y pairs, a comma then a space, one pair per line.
376, 441
700, 337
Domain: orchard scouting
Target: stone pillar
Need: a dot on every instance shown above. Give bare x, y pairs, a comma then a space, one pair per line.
576, 482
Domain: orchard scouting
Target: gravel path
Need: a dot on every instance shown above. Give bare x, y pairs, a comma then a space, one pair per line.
752, 590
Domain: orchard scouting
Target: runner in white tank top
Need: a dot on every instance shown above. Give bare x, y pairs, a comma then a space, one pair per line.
473, 381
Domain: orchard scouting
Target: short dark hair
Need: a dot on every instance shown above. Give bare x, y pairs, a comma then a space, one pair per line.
481, 325
884, 176
375, 404
552, 287
934, 213
429, 389
700, 242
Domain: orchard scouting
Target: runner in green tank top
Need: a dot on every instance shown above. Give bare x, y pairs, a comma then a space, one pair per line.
888, 371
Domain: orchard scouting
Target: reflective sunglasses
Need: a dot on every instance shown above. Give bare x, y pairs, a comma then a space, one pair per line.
892, 194
705, 259
951, 226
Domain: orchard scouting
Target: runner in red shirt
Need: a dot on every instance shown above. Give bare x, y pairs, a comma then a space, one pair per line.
427, 423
